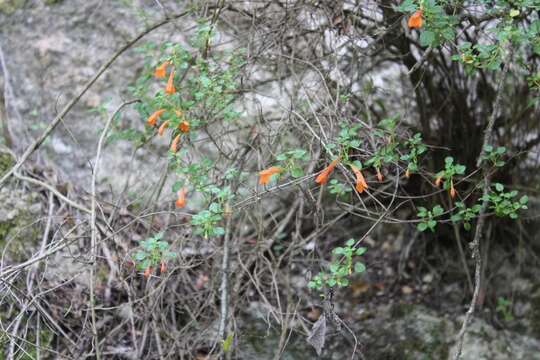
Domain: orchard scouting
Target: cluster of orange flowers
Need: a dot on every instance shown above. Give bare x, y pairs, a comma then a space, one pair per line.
161, 72
324, 175
361, 184
452, 190
148, 270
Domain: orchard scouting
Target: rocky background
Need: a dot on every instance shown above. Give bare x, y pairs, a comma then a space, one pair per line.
51, 48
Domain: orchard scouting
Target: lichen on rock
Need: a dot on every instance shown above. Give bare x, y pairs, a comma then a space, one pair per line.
18, 213
9, 6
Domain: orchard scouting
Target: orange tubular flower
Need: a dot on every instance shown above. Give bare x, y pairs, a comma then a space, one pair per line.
161, 70
147, 272
361, 183
163, 127
453, 191
325, 173
183, 126
415, 21
169, 88
152, 119
380, 176
181, 200
438, 181
407, 173
162, 267
265, 175
174, 144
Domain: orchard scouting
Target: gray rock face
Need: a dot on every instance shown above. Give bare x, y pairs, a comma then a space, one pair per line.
51, 50
400, 332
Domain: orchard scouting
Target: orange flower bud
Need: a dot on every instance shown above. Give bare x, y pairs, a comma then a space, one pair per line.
361, 183
415, 21
181, 200
178, 113
169, 88
161, 70
265, 175
174, 144
438, 181
183, 126
147, 272
325, 173
162, 267
380, 176
407, 173
152, 119
453, 191
163, 127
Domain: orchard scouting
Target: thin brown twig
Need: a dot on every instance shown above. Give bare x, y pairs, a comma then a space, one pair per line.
475, 245
93, 226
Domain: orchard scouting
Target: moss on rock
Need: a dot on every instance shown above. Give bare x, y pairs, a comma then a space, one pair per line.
534, 314
9, 6
6, 161
18, 227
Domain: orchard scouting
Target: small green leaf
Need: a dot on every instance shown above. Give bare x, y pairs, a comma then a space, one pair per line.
359, 267
338, 251
499, 187
427, 38
361, 251
422, 226
228, 342
438, 210
297, 172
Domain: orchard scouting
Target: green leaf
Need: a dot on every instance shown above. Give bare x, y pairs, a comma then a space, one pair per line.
499, 187
427, 38
361, 251
338, 251
350, 242
407, 6
140, 255
228, 342
524, 199
514, 12
359, 267
422, 226
438, 210
297, 172
460, 169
